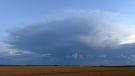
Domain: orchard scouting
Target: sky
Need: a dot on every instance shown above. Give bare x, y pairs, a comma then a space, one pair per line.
67, 32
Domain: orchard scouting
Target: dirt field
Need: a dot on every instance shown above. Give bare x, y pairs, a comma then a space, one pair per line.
65, 71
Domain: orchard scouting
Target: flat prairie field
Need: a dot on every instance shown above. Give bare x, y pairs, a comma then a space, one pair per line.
65, 71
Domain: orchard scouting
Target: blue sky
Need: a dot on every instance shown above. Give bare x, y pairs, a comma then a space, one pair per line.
71, 32
26, 11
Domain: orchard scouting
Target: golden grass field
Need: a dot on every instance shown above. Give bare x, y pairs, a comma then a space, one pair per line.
65, 71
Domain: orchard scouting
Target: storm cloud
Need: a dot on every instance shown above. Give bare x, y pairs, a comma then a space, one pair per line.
78, 37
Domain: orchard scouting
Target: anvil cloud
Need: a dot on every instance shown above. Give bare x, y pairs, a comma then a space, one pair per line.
78, 37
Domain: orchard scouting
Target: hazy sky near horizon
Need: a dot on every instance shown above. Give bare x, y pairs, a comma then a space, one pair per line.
71, 32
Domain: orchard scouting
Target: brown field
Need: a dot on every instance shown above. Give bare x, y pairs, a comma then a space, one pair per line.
65, 71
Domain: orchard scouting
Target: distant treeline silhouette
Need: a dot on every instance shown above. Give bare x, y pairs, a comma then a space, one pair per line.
72, 65
117, 66
39, 65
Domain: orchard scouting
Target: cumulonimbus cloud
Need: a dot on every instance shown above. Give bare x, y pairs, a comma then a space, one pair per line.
81, 32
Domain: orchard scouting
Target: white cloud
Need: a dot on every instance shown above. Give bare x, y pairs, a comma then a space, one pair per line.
75, 56
126, 57
5, 50
13, 53
129, 39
